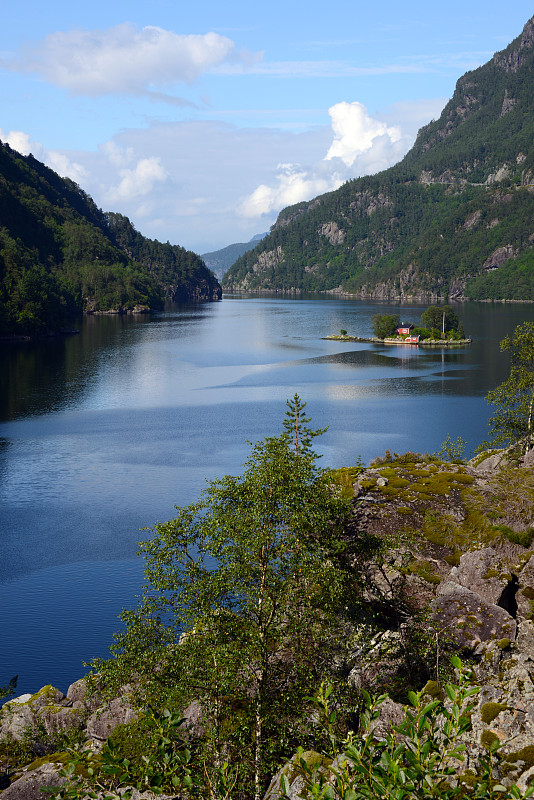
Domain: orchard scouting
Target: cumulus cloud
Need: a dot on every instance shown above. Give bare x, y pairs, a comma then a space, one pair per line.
124, 59
293, 184
360, 145
355, 132
205, 184
59, 162
138, 181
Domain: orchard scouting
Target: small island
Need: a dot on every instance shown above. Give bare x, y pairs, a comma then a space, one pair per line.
442, 328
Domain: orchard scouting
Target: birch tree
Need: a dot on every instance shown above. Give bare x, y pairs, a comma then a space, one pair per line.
513, 421
239, 608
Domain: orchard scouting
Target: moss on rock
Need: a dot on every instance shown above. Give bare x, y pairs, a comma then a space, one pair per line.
489, 711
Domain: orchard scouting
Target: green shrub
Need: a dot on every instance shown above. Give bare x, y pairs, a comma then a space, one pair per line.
419, 758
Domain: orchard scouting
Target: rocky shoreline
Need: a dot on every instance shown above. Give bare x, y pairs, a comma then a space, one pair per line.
391, 340
476, 591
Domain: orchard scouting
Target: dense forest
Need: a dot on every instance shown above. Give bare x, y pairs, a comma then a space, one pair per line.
452, 219
61, 255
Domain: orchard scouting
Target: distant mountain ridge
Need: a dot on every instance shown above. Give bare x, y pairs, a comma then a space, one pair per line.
61, 255
220, 261
454, 219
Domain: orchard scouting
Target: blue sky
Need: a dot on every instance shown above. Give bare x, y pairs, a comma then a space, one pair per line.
201, 120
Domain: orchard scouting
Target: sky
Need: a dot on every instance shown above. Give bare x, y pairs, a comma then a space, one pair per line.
200, 121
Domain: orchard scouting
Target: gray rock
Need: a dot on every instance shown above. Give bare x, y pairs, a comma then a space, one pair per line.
29, 786
62, 719
119, 712
391, 714
482, 572
48, 707
314, 761
16, 717
78, 693
525, 593
468, 618
194, 719
47, 696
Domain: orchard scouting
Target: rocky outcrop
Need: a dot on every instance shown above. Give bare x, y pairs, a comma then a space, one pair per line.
51, 711
29, 786
513, 58
468, 619
332, 232
48, 708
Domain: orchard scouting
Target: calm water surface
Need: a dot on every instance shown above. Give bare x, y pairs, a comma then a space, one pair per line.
101, 434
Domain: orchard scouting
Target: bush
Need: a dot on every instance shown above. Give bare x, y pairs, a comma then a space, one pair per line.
419, 758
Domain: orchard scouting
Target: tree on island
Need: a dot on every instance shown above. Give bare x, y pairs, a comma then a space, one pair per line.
513, 421
244, 605
441, 320
438, 321
385, 325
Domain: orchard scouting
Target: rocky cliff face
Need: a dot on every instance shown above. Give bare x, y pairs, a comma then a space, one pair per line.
459, 205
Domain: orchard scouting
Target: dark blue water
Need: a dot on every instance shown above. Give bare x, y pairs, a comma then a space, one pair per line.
103, 433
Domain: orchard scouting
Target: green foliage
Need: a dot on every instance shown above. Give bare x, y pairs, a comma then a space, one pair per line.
9, 688
296, 428
419, 758
440, 318
385, 325
452, 451
243, 599
161, 764
60, 255
513, 421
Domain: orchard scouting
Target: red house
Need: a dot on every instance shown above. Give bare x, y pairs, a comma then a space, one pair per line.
404, 329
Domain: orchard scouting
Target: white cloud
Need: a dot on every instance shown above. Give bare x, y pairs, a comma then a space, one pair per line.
294, 184
124, 59
59, 162
355, 132
139, 181
316, 69
205, 184
361, 145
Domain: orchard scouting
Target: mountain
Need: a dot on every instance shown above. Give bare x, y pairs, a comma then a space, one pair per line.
61, 255
454, 219
220, 261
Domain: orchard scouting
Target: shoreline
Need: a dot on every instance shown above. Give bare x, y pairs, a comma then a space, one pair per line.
375, 340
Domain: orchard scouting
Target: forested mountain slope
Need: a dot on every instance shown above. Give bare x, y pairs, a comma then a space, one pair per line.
220, 261
455, 218
60, 254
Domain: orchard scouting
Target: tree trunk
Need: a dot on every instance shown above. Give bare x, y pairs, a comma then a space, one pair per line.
257, 752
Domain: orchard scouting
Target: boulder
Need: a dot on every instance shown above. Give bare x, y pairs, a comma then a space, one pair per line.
118, 712
469, 619
28, 787
47, 707
391, 714
482, 572
78, 692
15, 717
